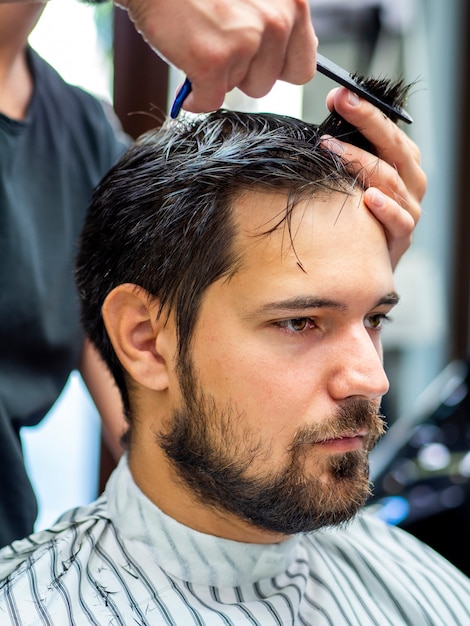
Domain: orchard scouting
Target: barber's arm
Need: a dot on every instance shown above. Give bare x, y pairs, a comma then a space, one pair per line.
106, 397
222, 44
396, 183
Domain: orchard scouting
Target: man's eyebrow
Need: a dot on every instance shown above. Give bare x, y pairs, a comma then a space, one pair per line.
391, 299
301, 303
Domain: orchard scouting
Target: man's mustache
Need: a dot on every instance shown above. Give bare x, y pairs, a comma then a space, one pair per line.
356, 417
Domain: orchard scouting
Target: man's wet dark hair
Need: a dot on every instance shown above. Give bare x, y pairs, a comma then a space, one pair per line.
162, 217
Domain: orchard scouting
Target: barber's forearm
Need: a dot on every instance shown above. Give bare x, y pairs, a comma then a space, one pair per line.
106, 397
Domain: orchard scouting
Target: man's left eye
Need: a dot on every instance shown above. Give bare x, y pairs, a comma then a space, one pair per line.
297, 324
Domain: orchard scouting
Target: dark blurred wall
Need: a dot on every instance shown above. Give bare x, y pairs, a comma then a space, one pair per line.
140, 79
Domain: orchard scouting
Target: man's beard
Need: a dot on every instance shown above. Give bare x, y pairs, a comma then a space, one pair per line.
215, 456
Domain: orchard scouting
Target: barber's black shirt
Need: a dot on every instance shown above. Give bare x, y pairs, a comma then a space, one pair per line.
49, 164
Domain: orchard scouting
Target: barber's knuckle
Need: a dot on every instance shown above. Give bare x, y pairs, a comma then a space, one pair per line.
395, 177
302, 6
277, 19
402, 143
422, 183
301, 10
416, 152
281, 25
209, 59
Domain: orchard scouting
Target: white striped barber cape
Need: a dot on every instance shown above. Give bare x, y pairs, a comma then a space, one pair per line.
121, 561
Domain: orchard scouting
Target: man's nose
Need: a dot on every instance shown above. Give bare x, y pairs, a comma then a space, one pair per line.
357, 368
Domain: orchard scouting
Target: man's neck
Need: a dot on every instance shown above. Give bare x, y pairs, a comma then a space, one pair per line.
156, 478
16, 83
17, 20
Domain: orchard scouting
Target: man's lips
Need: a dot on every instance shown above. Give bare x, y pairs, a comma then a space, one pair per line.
344, 443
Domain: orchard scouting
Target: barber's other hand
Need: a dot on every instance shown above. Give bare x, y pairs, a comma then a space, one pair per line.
222, 44
394, 180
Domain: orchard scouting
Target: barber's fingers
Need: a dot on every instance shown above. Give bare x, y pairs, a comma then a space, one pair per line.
287, 50
404, 178
394, 180
399, 184
393, 203
398, 223
300, 60
247, 44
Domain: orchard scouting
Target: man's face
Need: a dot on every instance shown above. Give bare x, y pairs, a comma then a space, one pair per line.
279, 398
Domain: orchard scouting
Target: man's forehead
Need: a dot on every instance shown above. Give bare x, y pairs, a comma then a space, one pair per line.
286, 214
324, 237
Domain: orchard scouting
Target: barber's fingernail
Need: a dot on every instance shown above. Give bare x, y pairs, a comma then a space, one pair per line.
333, 145
353, 99
376, 198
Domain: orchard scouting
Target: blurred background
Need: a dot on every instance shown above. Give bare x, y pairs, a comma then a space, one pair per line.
421, 469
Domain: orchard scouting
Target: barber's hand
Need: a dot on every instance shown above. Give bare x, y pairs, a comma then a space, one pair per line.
222, 44
395, 181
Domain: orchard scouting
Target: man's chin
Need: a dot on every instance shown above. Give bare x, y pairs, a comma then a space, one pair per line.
331, 501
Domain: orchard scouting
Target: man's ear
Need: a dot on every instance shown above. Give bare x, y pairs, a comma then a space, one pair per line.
141, 339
